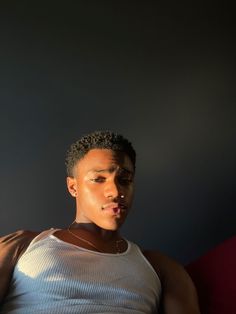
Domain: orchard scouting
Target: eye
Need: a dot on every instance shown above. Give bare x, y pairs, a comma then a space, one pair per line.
98, 179
125, 180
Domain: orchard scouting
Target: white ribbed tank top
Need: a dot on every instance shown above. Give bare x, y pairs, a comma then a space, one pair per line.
54, 277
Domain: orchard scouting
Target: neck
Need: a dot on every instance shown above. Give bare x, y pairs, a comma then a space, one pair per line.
105, 235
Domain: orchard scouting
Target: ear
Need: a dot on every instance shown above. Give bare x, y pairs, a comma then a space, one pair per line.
71, 186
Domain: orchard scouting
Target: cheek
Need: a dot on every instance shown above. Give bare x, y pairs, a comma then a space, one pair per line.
130, 193
90, 195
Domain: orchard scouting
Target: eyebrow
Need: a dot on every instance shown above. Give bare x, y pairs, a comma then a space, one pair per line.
112, 169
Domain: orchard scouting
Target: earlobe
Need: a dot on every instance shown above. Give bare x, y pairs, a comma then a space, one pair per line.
71, 186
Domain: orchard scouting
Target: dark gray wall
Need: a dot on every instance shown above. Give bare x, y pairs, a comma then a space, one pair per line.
163, 75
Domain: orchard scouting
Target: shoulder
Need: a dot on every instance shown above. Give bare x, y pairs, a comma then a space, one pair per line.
11, 248
15, 243
179, 293
18, 236
164, 265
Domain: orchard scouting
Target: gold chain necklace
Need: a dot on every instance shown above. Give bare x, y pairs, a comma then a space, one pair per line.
118, 250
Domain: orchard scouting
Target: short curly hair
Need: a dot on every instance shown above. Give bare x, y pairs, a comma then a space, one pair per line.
98, 139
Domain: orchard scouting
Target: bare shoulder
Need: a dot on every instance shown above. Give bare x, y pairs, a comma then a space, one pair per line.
17, 235
15, 243
179, 293
164, 265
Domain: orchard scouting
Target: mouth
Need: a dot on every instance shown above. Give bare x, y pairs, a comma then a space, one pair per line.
114, 208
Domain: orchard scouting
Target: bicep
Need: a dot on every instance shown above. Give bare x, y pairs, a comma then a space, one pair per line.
5, 274
7, 254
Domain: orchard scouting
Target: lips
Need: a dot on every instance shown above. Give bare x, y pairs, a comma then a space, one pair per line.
114, 208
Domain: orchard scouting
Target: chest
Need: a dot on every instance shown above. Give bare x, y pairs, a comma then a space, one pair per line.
51, 269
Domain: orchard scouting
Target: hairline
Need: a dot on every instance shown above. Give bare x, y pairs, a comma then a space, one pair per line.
100, 148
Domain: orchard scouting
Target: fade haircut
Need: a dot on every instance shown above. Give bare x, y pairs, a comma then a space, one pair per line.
100, 140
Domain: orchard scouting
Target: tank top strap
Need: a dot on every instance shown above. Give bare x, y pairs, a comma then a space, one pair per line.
43, 235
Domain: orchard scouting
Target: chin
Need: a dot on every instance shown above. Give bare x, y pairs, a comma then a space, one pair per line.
111, 226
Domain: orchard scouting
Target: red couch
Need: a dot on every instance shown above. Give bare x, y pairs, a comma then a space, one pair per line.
214, 275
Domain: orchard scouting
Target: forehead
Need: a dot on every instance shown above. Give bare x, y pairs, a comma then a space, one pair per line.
104, 159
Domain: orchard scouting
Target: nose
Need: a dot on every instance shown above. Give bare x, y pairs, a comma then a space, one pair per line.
111, 189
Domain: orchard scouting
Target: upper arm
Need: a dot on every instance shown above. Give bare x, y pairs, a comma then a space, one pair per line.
178, 292
11, 247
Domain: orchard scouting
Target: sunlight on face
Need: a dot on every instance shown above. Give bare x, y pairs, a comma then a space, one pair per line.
103, 187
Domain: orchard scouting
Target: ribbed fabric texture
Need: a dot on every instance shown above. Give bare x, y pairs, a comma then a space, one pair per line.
55, 277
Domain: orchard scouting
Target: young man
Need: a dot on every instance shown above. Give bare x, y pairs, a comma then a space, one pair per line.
88, 267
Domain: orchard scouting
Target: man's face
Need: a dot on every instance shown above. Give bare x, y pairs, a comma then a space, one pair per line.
103, 187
